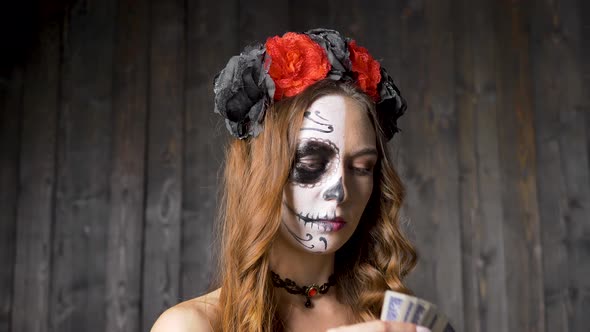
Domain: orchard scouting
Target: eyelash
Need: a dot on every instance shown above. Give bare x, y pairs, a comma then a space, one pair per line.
310, 167
362, 171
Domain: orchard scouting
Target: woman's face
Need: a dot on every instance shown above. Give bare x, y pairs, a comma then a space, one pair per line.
332, 176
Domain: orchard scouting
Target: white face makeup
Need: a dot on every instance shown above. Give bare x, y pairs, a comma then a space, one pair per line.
332, 177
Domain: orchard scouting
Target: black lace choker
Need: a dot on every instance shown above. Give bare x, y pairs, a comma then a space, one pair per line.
307, 291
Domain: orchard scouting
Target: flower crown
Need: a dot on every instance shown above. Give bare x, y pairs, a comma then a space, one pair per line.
285, 66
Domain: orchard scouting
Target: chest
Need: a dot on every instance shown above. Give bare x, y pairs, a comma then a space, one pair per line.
312, 320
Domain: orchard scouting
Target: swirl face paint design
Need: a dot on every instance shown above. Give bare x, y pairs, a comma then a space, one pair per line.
329, 182
308, 238
322, 126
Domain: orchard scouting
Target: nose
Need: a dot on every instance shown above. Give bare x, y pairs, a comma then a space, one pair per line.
335, 192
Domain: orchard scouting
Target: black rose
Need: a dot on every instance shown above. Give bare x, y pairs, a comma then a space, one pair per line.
337, 50
242, 91
391, 106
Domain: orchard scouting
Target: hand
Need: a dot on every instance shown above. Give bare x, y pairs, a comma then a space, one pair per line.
380, 326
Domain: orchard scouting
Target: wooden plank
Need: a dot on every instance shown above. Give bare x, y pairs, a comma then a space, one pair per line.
524, 274
584, 46
427, 157
261, 19
161, 269
484, 291
84, 149
549, 96
209, 47
37, 184
565, 167
351, 18
125, 231
441, 135
310, 14
10, 113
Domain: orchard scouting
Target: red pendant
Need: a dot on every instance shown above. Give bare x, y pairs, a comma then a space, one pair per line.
312, 291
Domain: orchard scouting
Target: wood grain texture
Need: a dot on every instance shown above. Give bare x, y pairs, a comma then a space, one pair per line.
11, 99
563, 168
261, 19
162, 243
125, 231
109, 178
550, 95
32, 270
522, 249
483, 261
209, 47
309, 14
428, 154
353, 19
83, 168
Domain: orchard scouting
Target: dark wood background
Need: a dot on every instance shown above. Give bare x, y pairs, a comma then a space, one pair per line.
110, 153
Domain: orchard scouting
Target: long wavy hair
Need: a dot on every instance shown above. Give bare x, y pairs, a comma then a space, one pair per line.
375, 258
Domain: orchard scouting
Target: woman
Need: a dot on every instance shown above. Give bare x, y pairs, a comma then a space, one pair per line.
309, 231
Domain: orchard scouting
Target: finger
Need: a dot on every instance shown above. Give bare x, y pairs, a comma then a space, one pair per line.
422, 329
401, 327
377, 326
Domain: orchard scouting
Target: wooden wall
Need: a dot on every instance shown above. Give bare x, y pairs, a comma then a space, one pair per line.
110, 154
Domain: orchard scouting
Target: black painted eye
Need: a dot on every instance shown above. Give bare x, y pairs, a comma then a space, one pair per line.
311, 161
311, 165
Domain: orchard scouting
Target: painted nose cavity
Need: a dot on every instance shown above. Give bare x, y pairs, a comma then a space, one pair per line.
335, 192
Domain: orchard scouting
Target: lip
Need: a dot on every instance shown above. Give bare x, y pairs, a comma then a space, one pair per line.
332, 225
328, 225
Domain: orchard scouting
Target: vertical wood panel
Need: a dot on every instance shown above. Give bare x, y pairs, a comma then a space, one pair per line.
36, 184
209, 47
353, 19
523, 276
494, 151
484, 292
549, 96
563, 179
310, 14
429, 159
261, 19
125, 232
10, 113
583, 12
161, 271
84, 150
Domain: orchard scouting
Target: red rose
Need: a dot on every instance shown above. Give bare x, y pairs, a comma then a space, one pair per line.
296, 63
366, 69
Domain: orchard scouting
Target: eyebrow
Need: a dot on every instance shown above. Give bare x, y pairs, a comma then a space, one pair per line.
364, 152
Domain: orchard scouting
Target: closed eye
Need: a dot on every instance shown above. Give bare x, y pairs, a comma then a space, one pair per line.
310, 166
363, 161
362, 171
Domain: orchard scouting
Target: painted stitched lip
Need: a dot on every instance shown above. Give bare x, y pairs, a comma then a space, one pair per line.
323, 223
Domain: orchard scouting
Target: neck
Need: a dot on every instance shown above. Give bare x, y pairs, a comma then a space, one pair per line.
302, 267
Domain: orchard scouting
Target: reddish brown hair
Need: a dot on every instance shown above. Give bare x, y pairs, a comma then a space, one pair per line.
376, 258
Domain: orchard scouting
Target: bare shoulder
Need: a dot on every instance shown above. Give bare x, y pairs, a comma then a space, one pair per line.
195, 315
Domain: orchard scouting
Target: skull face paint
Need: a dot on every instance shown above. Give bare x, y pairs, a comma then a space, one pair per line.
331, 179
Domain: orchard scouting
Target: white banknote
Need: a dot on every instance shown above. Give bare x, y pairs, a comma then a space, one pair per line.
405, 308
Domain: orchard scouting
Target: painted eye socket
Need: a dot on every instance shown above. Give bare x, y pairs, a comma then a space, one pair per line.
312, 161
